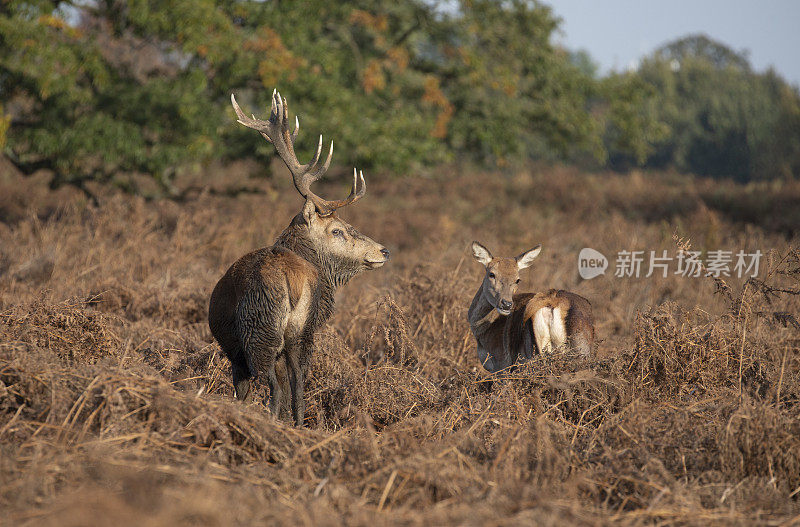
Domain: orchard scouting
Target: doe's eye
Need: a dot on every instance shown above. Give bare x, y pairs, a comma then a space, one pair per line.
337, 232
517, 281
491, 275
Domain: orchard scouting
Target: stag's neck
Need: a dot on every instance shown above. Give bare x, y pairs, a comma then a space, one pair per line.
292, 238
331, 274
335, 273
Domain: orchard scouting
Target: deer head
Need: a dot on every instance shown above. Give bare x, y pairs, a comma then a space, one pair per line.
335, 241
502, 275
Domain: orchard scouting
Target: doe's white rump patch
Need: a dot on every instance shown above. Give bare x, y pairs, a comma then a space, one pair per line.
549, 329
558, 330
541, 329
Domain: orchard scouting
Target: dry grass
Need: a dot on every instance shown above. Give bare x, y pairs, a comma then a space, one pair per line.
116, 407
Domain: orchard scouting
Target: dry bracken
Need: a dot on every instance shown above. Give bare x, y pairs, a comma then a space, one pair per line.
116, 403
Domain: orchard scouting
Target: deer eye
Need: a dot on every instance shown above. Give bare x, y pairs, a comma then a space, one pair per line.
491, 275
337, 232
517, 281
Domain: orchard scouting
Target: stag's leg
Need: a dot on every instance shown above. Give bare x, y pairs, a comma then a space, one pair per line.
298, 360
296, 384
261, 323
270, 354
275, 392
241, 381
263, 347
223, 330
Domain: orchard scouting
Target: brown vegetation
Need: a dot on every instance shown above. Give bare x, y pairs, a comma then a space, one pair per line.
115, 403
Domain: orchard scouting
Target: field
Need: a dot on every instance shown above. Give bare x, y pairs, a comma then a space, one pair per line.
116, 407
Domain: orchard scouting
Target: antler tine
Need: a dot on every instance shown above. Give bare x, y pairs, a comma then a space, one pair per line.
312, 173
296, 129
276, 112
313, 163
356, 193
363, 184
277, 131
316, 171
327, 162
249, 122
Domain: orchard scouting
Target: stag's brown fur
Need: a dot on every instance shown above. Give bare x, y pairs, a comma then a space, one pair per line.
271, 301
504, 323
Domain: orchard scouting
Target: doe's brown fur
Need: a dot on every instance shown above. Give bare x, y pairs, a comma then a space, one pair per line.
511, 328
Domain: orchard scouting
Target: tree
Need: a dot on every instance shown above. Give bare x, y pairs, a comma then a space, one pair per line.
97, 91
90, 96
722, 116
632, 125
514, 94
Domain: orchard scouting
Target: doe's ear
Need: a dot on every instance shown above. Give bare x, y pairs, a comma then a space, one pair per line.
309, 211
526, 259
481, 253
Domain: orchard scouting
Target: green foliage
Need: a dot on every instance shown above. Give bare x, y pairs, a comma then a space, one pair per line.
358, 82
97, 91
632, 121
724, 120
97, 98
5, 123
780, 151
513, 94
101, 90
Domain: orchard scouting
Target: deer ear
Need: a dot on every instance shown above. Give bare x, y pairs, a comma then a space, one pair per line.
526, 259
481, 253
309, 212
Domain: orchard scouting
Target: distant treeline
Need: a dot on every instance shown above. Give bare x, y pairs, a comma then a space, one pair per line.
99, 90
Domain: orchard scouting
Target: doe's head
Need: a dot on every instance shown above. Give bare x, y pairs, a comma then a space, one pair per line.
502, 275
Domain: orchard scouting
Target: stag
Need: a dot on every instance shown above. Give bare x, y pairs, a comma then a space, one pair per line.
271, 301
511, 328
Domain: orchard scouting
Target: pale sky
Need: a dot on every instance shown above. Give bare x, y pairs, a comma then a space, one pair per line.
616, 33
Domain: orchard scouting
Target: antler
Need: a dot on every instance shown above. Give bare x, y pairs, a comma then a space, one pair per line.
276, 131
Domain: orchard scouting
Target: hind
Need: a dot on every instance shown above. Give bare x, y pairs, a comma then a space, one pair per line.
511, 327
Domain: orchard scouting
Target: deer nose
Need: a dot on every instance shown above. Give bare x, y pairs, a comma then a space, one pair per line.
385, 253
505, 304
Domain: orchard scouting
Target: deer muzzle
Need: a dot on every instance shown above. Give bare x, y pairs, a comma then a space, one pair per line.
374, 264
